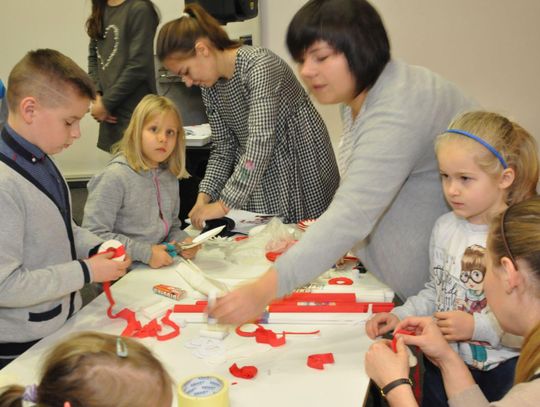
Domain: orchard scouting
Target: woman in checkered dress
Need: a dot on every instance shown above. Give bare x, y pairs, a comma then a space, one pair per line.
271, 151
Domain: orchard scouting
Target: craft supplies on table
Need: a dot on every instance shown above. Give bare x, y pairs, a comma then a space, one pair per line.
169, 291
203, 391
283, 374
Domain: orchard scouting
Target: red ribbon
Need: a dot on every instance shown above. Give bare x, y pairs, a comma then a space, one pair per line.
263, 335
117, 251
317, 361
245, 372
134, 328
400, 332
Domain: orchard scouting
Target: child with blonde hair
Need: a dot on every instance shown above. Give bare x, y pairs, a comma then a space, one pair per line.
94, 369
486, 163
512, 289
135, 199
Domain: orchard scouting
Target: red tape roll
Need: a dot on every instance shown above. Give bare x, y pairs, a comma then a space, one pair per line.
340, 281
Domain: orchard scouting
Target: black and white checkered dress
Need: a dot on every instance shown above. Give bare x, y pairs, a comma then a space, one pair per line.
271, 152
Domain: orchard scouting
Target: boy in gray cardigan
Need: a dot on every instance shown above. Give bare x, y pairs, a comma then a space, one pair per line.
40, 274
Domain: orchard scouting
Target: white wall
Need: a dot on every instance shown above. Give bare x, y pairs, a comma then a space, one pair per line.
59, 24
490, 48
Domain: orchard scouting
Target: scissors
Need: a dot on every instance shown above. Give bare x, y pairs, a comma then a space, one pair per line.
171, 249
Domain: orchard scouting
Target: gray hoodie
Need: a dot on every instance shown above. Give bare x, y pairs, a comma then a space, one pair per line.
140, 209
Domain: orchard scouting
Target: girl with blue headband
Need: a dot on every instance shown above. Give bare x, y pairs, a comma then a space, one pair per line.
486, 163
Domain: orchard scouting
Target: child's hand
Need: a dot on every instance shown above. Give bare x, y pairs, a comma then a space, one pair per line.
381, 323
189, 253
455, 325
103, 268
159, 257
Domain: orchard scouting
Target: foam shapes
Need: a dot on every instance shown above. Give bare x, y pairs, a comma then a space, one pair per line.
244, 372
317, 361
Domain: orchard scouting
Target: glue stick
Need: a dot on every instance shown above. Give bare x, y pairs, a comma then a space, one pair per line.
213, 329
212, 297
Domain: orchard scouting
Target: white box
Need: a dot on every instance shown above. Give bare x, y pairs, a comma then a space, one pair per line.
197, 136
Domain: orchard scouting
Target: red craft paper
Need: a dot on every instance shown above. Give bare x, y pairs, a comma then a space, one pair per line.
245, 372
317, 361
263, 335
134, 327
401, 332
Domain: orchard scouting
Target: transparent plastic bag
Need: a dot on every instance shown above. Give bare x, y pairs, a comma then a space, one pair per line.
274, 237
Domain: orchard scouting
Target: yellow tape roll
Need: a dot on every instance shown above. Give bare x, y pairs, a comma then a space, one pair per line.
203, 391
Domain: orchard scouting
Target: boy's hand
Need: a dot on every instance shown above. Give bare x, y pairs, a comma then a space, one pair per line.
159, 257
380, 324
455, 325
103, 268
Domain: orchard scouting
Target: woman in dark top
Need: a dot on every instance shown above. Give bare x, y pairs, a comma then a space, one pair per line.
120, 61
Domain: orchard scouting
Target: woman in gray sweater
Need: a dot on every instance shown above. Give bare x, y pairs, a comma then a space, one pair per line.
390, 193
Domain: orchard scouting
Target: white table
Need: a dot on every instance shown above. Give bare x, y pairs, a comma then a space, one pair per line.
284, 379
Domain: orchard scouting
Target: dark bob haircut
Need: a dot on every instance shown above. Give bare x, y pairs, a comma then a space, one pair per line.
351, 27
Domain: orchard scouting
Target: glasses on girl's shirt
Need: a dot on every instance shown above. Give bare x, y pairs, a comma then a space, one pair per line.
475, 275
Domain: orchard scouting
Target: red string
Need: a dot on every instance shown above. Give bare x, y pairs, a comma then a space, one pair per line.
134, 328
263, 335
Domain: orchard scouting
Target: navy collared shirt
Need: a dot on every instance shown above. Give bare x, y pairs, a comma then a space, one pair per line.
38, 164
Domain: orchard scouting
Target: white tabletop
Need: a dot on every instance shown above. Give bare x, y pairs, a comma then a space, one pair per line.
283, 379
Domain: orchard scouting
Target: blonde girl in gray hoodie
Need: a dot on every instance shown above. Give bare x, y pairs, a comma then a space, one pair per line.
135, 199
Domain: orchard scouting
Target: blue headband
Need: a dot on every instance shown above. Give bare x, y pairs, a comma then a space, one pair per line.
481, 141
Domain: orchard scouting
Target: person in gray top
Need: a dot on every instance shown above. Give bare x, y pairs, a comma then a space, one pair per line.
120, 61
271, 152
390, 193
135, 199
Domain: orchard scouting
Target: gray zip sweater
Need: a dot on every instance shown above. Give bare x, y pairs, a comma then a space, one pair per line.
390, 195
140, 209
39, 276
